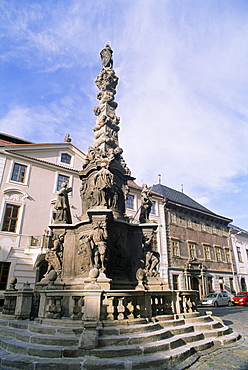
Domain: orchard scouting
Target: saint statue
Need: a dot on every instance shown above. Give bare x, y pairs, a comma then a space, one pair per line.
106, 57
103, 182
146, 204
63, 214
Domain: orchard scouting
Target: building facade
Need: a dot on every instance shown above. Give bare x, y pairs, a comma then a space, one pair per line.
239, 244
30, 176
199, 255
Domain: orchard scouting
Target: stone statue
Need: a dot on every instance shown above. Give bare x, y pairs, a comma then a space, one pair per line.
99, 236
103, 183
85, 253
67, 138
146, 204
106, 56
151, 258
63, 214
54, 255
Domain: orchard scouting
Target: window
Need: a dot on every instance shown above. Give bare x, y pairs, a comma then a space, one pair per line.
10, 218
155, 242
130, 201
210, 283
228, 258
239, 254
19, 173
207, 253
4, 273
175, 249
192, 252
65, 158
175, 281
189, 222
173, 218
61, 179
153, 208
218, 254
231, 285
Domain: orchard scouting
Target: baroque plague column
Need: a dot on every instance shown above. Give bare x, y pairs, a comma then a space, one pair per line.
104, 245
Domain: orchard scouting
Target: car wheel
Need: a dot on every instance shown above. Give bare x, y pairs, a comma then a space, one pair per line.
229, 303
215, 304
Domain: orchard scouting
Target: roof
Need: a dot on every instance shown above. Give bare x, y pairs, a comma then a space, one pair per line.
40, 160
238, 229
132, 184
180, 198
9, 139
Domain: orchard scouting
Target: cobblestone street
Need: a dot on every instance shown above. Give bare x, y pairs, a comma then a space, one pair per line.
234, 356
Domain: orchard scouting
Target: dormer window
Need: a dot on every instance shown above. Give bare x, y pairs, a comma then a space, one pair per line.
65, 158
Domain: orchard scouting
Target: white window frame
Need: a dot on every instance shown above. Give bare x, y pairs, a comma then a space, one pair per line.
63, 163
27, 175
57, 179
15, 197
134, 202
155, 208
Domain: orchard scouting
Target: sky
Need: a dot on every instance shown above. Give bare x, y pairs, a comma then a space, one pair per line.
182, 93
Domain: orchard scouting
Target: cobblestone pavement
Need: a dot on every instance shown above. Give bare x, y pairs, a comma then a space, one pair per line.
233, 356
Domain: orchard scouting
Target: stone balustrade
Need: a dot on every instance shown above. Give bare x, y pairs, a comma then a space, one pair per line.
99, 305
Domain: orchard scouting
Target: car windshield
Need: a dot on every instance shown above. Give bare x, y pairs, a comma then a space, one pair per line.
211, 295
241, 295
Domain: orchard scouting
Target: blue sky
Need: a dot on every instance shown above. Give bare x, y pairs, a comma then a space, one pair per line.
182, 93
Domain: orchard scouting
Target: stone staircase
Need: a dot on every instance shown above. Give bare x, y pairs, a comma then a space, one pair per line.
164, 343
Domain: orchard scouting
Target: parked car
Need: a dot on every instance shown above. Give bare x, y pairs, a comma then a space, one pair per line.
240, 299
216, 299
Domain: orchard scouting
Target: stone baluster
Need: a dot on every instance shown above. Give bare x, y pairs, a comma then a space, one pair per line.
190, 305
184, 303
120, 309
110, 308
57, 307
76, 311
130, 308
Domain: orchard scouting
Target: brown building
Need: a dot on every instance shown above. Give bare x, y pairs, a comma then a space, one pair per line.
199, 256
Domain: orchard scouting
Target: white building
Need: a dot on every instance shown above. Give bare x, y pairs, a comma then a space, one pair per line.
239, 244
30, 175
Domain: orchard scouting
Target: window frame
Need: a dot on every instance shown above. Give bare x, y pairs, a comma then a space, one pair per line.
11, 218
228, 255
129, 196
207, 248
239, 254
2, 263
154, 208
175, 247
218, 253
27, 173
192, 249
58, 173
175, 281
16, 197
64, 163
68, 156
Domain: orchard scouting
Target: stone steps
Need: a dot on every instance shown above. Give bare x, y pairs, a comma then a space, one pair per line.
136, 344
